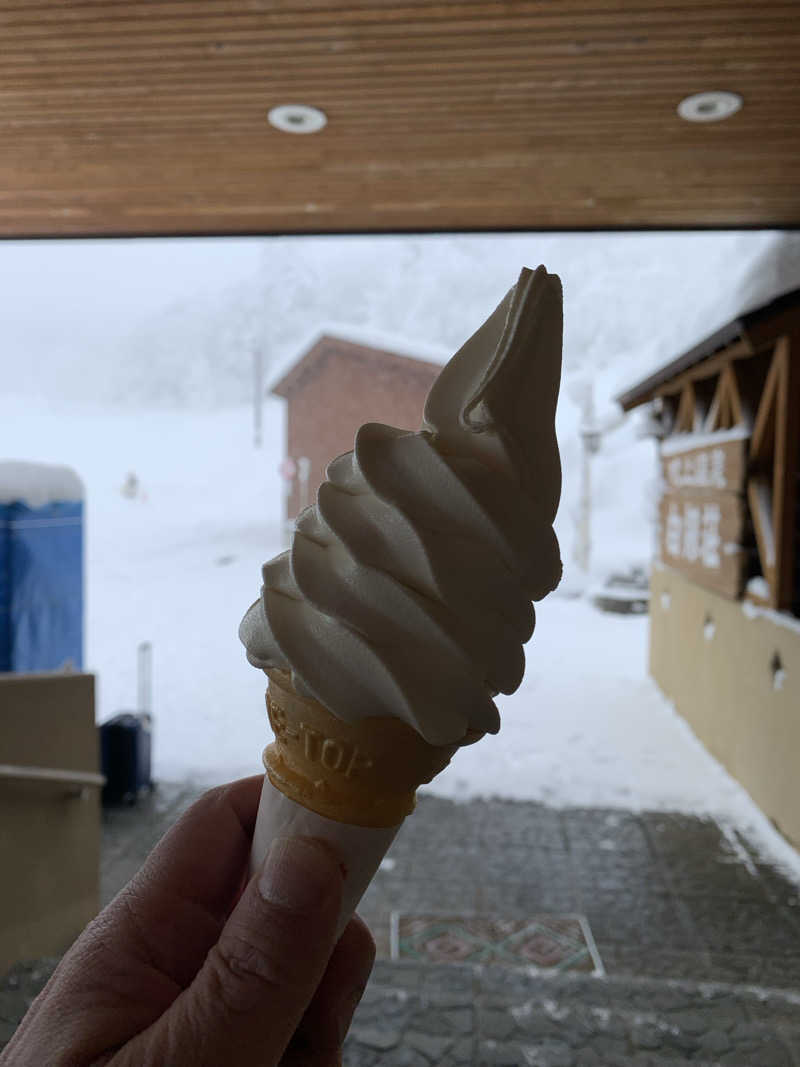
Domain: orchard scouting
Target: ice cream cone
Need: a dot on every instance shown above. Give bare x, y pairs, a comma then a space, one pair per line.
407, 590
364, 773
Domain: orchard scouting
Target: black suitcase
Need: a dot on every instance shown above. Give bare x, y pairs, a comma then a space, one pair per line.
125, 744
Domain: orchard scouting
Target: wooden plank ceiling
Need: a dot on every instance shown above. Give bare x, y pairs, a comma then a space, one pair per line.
151, 118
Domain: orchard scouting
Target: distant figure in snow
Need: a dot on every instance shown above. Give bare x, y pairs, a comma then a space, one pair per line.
131, 487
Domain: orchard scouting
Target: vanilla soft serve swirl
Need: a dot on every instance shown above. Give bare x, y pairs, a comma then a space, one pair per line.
407, 589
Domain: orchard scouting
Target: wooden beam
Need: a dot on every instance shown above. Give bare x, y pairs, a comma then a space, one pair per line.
713, 365
685, 421
762, 440
704, 390
731, 386
726, 409
759, 497
761, 484
784, 494
713, 419
751, 376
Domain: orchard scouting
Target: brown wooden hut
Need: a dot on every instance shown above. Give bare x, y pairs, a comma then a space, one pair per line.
332, 388
725, 629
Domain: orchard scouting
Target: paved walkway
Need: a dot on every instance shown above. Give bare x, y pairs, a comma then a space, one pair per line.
699, 940
447, 1015
666, 896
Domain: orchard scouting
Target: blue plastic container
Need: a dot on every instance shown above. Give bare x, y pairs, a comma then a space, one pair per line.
41, 568
5, 588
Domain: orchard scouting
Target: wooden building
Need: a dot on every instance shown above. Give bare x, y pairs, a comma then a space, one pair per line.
332, 388
725, 622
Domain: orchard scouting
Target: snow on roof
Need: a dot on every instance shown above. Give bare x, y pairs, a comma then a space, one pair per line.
771, 277
721, 338
358, 335
774, 273
685, 442
37, 484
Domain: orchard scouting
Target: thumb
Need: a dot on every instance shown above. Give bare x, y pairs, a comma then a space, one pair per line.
248, 998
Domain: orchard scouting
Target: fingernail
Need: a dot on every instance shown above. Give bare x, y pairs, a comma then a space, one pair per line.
297, 874
348, 1010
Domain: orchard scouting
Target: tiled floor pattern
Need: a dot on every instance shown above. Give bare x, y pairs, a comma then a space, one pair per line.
547, 942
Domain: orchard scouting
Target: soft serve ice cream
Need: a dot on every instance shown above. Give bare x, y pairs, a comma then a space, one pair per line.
407, 589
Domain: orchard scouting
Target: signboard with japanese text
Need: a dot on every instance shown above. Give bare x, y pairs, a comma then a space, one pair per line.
701, 535
720, 465
702, 514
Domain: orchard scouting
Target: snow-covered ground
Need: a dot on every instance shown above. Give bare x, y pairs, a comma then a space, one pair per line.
178, 565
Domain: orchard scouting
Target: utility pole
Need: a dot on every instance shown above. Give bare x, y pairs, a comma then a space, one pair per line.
144, 677
590, 444
258, 395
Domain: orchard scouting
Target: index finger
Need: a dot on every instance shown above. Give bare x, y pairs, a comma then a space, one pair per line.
188, 885
203, 855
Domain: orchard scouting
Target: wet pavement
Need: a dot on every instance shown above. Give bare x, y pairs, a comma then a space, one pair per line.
699, 939
457, 1014
665, 895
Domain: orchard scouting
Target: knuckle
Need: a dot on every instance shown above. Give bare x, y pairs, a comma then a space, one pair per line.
210, 798
243, 972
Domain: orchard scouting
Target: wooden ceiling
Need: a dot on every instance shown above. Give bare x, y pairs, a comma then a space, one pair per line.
151, 118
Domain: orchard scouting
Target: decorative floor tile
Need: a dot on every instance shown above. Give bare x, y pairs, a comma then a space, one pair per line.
546, 942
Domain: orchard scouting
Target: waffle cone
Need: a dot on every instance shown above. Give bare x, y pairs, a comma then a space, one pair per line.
365, 773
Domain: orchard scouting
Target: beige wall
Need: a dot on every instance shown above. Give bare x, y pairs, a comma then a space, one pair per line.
714, 662
49, 833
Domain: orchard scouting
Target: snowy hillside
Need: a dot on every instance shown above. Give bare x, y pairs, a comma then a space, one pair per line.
165, 324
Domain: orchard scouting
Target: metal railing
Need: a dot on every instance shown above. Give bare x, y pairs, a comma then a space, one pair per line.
52, 776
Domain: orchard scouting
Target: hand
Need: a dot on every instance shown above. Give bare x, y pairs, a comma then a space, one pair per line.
193, 964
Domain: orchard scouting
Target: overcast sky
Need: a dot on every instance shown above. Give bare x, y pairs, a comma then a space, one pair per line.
77, 286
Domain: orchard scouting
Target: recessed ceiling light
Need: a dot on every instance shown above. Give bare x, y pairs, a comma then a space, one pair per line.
297, 118
709, 107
